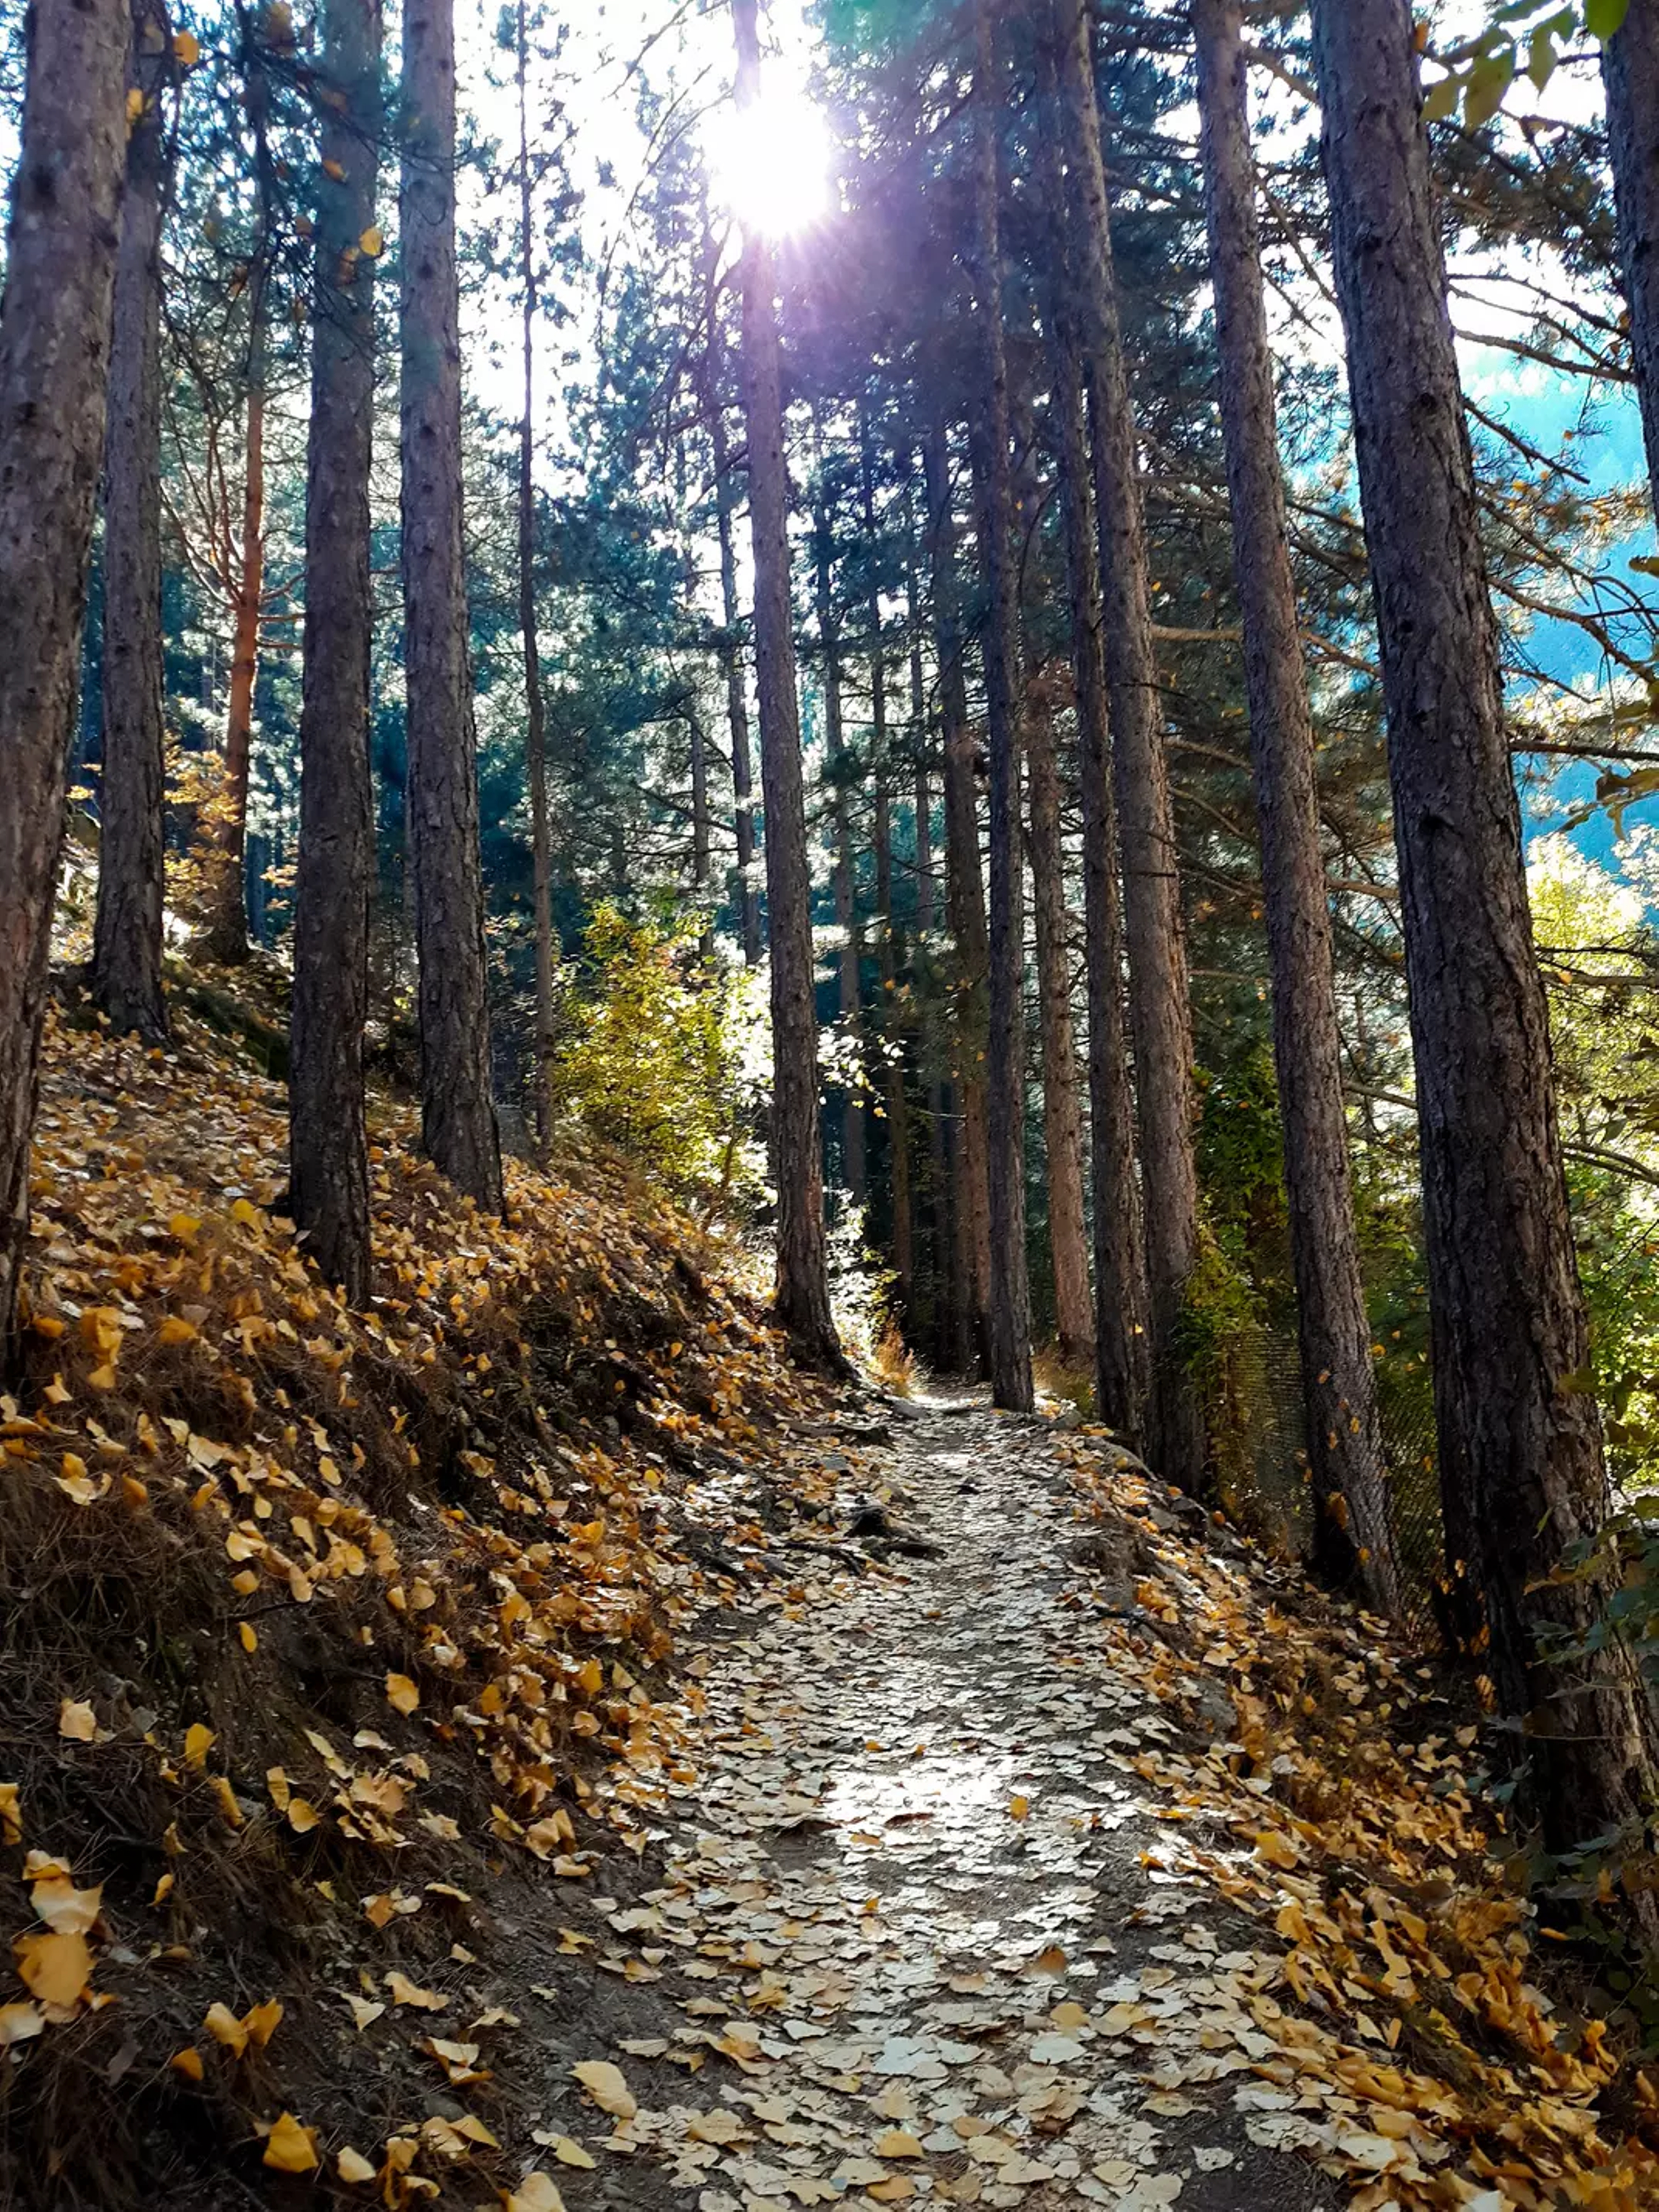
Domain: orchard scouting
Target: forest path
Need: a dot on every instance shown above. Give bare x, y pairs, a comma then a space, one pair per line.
914, 1920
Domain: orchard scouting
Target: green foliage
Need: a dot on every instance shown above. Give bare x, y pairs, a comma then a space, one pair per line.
1480, 71
665, 1060
1241, 1166
1218, 1341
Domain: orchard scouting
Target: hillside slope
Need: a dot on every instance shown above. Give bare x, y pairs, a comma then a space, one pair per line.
315, 1626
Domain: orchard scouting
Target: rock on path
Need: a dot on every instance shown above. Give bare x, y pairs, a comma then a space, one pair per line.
922, 1937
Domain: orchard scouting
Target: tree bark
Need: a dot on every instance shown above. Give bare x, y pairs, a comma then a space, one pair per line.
226, 936
1519, 1438
1121, 1378
803, 1283
1354, 1544
850, 952
944, 1298
55, 316
225, 939
328, 1144
458, 1113
1010, 1290
969, 931
126, 974
1062, 1117
746, 898
535, 740
1062, 1105
1160, 1016
895, 1102
1630, 74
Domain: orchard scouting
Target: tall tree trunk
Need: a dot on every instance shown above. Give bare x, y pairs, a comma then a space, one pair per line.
969, 932
1062, 1117
1629, 73
1160, 1016
126, 975
895, 1104
55, 314
803, 1288
535, 740
1354, 1542
1120, 1346
710, 379
328, 1144
1519, 1440
850, 954
1010, 1299
1122, 1378
1062, 1105
225, 937
942, 1287
458, 1112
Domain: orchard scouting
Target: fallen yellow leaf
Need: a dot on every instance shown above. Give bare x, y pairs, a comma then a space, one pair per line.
604, 2084
537, 2192
54, 1968
289, 2147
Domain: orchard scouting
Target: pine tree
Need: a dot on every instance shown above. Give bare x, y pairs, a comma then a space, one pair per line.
803, 1283
126, 975
1344, 1444
1521, 1464
1160, 1016
54, 318
328, 1144
1630, 71
458, 1114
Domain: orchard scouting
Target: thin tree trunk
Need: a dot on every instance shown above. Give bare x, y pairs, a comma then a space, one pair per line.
225, 939
700, 823
803, 1286
1010, 1300
226, 936
1062, 1105
1354, 1543
709, 373
892, 1031
1629, 73
1520, 1439
55, 316
458, 1113
1122, 1378
969, 932
535, 742
1062, 1117
328, 1144
850, 955
1160, 1016
942, 1280
126, 975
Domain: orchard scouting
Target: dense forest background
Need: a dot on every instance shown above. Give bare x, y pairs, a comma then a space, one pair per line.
581, 560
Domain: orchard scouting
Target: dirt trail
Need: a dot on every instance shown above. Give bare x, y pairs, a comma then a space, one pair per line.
922, 1934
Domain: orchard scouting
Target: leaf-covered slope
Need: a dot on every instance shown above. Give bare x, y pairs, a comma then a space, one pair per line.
314, 1625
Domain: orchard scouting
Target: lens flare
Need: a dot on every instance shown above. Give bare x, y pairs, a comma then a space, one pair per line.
768, 164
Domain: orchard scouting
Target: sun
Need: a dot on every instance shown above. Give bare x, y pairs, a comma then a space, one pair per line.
768, 164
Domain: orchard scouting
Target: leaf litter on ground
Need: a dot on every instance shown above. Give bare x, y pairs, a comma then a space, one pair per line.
494, 1661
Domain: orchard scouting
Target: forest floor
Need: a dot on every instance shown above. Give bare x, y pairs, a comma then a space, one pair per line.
521, 1744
